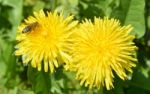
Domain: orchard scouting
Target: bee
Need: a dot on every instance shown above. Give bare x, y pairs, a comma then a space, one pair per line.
30, 27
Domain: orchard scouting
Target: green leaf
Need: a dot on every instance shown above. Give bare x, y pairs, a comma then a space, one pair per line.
148, 21
136, 90
67, 6
26, 92
139, 80
40, 80
39, 5
2, 69
14, 15
11, 3
105, 5
90, 7
135, 17
120, 10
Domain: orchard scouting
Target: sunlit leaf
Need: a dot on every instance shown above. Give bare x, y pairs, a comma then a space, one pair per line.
135, 17
14, 15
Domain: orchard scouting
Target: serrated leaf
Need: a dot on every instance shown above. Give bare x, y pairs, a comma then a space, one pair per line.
105, 6
40, 80
135, 17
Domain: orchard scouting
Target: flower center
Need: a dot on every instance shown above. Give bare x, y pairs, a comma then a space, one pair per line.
103, 47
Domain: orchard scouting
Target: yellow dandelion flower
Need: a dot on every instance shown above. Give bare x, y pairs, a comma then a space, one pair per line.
45, 38
99, 49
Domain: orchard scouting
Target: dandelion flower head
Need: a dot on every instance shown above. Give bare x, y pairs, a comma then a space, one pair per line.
102, 48
47, 41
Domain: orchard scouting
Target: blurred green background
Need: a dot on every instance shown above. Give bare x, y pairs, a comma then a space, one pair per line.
15, 78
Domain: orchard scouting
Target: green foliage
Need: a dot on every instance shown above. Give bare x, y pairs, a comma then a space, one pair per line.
135, 17
40, 81
15, 78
